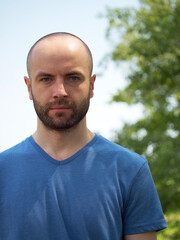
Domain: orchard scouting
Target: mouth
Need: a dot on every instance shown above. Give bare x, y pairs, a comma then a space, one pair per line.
60, 108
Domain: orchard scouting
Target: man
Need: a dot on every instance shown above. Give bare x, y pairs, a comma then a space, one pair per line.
64, 182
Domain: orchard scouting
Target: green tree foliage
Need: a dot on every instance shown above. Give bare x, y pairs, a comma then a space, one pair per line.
172, 232
149, 41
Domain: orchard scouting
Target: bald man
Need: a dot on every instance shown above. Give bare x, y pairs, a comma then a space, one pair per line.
65, 182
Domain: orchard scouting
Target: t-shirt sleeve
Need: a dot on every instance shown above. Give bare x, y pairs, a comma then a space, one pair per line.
143, 212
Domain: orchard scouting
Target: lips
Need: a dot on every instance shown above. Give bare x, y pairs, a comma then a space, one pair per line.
60, 108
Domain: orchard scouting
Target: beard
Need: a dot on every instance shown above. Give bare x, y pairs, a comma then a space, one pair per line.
60, 121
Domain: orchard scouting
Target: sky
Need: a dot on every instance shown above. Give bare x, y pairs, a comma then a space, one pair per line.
22, 23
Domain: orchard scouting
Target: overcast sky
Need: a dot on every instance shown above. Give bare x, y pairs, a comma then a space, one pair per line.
24, 22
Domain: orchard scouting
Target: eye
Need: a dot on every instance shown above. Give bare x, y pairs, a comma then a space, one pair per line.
45, 79
74, 78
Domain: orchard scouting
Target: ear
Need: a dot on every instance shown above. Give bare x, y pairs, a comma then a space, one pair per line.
28, 84
92, 80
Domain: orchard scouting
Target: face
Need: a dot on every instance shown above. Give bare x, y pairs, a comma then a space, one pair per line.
60, 85
61, 114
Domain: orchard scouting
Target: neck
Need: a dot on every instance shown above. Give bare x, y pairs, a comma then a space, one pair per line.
62, 144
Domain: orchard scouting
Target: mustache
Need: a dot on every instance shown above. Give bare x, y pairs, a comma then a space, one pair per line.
62, 101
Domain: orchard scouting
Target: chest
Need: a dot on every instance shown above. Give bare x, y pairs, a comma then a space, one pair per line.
63, 204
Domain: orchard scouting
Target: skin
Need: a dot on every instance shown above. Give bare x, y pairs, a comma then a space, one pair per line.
54, 63
60, 68
142, 236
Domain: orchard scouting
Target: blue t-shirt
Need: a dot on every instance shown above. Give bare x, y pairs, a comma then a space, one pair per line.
102, 192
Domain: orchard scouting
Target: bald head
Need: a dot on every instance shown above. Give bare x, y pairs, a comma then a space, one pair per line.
57, 38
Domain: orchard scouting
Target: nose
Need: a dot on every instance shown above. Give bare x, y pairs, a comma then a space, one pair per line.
59, 89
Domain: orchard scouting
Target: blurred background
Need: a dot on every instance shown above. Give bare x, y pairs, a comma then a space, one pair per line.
136, 50
24, 22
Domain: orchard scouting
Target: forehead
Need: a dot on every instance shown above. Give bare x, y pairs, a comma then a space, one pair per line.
59, 51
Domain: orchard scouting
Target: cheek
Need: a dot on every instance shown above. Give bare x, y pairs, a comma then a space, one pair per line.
83, 93
41, 94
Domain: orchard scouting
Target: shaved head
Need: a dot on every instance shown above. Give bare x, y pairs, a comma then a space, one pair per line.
60, 36
60, 82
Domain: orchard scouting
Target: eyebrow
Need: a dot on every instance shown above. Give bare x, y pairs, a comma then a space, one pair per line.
43, 74
74, 73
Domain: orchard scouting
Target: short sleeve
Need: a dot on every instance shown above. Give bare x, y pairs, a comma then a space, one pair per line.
143, 212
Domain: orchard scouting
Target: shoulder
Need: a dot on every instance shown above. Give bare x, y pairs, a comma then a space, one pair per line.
114, 152
15, 151
128, 167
